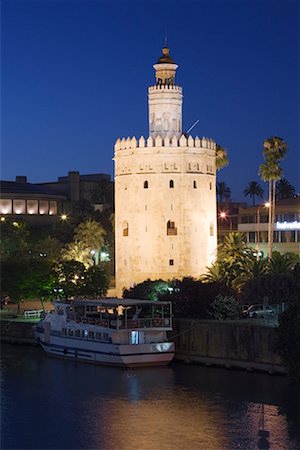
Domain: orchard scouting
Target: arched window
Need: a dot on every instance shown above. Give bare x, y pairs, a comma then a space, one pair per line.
145, 184
125, 229
195, 184
171, 229
171, 183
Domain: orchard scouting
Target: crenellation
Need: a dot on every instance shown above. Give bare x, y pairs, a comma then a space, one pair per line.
150, 141
191, 142
174, 141
182, 141
161, 88
142, 142
158, 141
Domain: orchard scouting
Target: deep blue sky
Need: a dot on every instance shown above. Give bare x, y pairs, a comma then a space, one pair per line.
75, 77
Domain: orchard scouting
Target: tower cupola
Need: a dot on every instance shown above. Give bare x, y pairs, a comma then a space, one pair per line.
165, 69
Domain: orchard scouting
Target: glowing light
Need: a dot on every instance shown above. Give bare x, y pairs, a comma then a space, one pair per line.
288, 225
64, 217
2, 219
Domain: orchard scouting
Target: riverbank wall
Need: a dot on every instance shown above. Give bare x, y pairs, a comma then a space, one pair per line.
248, 345
16, 332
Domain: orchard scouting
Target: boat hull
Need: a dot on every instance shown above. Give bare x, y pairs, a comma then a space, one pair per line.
113, 355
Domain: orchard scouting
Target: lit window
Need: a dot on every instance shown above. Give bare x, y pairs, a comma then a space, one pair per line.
125, 229
19, 206
43, 207
32, 207
5, 206
171, 229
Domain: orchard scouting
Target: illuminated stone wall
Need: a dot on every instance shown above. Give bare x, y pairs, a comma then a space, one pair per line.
145, 246
165, 195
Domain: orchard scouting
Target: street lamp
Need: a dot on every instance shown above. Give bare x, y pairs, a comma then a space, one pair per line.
264, 205
225, 216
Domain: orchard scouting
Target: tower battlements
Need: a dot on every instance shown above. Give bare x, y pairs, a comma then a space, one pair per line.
162, 88
158, 141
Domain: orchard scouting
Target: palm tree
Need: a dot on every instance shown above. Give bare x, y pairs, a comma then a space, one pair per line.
77, 251
274, 151
234, 261
253, 190
221, 157
223, 191
284, 189
91, 234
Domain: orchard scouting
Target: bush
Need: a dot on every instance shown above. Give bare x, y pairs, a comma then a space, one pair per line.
225, 308
288, 338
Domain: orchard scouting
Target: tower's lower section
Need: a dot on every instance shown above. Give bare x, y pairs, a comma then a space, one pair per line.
165, 210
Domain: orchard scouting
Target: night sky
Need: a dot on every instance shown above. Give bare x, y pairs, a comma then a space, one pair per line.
75, 76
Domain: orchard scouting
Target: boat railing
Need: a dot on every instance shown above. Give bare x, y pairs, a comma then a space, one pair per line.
122, 323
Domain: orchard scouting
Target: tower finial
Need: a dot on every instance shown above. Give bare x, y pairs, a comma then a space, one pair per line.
166, 40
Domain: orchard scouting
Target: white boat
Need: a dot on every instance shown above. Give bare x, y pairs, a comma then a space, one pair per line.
113, 331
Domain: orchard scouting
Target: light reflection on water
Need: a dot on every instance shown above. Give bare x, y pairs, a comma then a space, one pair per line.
54, 404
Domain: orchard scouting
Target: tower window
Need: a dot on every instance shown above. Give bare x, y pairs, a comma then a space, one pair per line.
211, 229
195, 184
171, 229
145, 184
171, 183
210, 186
171, 262
125, 229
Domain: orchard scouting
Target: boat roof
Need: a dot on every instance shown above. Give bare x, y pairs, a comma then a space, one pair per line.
112, 302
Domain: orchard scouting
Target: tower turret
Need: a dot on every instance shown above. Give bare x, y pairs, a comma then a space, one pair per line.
165, 99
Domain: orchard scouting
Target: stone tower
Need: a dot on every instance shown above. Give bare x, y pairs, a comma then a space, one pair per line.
165, 193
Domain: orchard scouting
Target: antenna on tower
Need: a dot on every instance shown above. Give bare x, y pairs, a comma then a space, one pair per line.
194, 124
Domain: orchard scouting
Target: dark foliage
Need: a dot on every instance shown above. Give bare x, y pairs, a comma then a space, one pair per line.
288, 338
190, 297
278, 288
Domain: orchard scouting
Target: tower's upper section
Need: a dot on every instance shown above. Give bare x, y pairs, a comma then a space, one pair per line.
165, 69
165, 99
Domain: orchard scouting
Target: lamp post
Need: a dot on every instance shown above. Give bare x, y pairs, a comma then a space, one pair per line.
225, 216
265, 205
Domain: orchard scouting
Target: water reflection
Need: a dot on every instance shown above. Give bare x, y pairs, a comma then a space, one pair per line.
56, 404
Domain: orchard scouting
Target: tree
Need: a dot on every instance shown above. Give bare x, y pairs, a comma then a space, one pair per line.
77, 251
288, 338
221, 157
83, 208
224, 308
284, 189
14, 240
70, 278
25, 279
91, 235
274, 151
96, 282
49, 248
253, 190
223, 192
234, 261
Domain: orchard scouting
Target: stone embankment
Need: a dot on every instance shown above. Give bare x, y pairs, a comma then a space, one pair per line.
247, 345
16, 332
242, 344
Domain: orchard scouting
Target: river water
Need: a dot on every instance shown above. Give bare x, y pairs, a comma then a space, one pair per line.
50, 403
